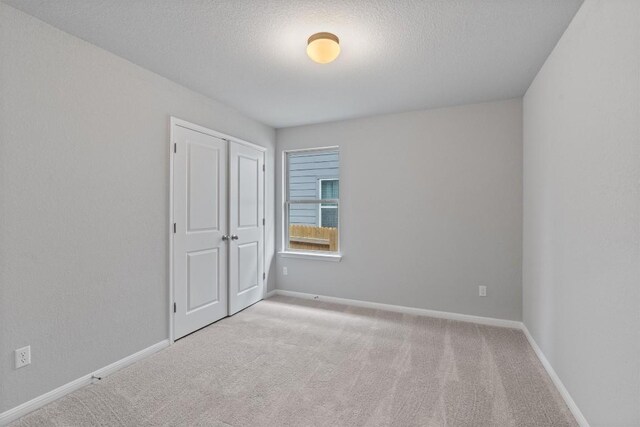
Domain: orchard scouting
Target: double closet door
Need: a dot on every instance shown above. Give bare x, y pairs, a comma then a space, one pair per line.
218, 234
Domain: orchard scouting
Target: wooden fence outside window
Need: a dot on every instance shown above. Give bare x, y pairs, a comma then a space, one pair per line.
310, 238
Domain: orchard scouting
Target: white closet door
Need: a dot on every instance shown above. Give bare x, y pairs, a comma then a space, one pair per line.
246, 214
200, 255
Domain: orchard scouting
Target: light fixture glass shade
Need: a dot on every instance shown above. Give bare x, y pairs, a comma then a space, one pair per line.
323, 47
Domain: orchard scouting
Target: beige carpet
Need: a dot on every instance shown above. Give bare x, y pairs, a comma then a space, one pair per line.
290, 362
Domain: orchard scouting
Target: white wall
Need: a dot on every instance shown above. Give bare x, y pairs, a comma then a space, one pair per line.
431, 207
582, 211
84, 185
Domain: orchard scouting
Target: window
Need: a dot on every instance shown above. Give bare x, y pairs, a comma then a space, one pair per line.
329, 189
312, 201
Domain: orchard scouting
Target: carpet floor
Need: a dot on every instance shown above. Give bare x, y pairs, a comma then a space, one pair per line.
293, 362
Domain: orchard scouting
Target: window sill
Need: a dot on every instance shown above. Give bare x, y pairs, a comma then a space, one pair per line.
308, 255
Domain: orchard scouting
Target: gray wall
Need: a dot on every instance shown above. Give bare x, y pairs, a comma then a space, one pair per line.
582, 211
431, 207
84, 186
305, 172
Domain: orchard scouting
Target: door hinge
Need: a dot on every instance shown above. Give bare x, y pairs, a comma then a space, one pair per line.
264, 276
175, 147
174, 228
263, 168
175, 307
263, 222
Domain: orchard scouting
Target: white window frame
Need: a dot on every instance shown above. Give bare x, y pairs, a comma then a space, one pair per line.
300, 253
320, 207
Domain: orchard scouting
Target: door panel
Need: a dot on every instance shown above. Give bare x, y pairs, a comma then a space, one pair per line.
246, 213
203, 285
248, 172
248, 273
200, 256
203, 170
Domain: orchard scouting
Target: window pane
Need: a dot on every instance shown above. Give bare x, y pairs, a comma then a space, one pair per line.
307, 169
330, 189
305, 232
329, 215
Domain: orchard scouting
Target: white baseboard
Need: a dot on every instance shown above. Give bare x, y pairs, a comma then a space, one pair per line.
271, 293
580, 419
38, 402
409, 310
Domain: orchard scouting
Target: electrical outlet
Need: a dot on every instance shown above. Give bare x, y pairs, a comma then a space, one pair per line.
23, 356
482, 291
285, 271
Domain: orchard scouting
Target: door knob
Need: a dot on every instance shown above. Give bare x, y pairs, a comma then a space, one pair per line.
225, 237
234, 237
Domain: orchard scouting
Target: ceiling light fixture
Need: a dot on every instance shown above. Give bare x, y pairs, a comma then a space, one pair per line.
323, 47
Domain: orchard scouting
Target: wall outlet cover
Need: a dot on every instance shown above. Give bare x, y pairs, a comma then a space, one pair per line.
482, 291
23, 356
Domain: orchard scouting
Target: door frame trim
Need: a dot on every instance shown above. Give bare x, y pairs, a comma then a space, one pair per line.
173, 122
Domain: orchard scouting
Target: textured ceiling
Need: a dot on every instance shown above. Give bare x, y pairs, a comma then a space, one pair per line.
397, 55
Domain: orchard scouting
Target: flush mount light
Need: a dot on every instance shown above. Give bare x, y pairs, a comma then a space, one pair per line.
323, 47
